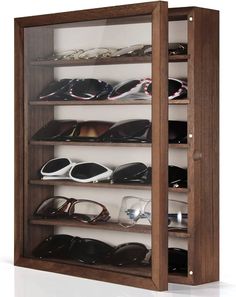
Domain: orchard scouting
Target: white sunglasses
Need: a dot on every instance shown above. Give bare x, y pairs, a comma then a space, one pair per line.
84, 172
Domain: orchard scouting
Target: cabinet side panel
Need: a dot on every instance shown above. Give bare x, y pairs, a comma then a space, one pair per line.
160, 146
19, 144
204, 146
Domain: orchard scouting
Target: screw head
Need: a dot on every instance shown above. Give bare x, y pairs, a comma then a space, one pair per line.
190, 18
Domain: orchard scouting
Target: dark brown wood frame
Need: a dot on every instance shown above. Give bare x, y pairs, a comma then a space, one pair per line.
203, 148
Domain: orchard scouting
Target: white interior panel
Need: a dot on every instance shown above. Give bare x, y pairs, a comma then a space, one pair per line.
178, 242
117, 36
110, 156
107, 112
178, 31
86, 37
178, 157
178, 113
109, 73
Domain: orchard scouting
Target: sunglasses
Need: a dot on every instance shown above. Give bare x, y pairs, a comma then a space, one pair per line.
76, 89
177, 89
82, 210
84, 172
173, 49
103, 131
133, 50
129, 131
136, 172
177, 215
177, 260
97, 53
177, 176
177, 131
130, 89
134, 208
90, 251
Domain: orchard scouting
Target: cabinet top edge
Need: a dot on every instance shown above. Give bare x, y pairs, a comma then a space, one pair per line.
111, 12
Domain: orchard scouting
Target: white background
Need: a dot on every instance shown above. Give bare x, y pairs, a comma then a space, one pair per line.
32, 283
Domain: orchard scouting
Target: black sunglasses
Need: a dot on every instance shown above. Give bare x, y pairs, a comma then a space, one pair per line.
100, 131
90, 251
136, 172
76, 89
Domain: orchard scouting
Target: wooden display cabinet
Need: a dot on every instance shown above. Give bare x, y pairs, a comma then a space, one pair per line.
39, 36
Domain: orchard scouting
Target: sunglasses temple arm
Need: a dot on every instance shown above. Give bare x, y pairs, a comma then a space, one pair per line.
55, 177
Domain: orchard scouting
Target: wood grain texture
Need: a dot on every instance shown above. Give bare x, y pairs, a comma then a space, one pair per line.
114, 226
115, 144
160, 141
203, 124
19, 143
37, 41
129, 277
104, 102
203, 121
105, 61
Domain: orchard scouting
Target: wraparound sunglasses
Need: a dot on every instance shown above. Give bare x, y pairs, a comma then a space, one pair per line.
94, 89
83, 210
84, 172
136, 130
90, 251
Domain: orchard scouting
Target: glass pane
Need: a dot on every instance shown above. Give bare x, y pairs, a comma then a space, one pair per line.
89, 84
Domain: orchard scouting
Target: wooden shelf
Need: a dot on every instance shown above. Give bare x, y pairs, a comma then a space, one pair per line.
104, 102
90, 143
133, 270
116, 144
113, 226
105, 61
178, 278
92, 102
100, 185
179, 233
179, 102
89, 185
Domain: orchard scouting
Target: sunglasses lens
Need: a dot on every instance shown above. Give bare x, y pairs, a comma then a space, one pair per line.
92, 129
131, 172
149, 89
55, 130
87, 88
129, 253
86, 211
56, 246
123, 88
177, 176
50, 206
90, 251
87, 170
178, 260
54, 88
177, 132
129, 129
134, 209
55, 165
173, 87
